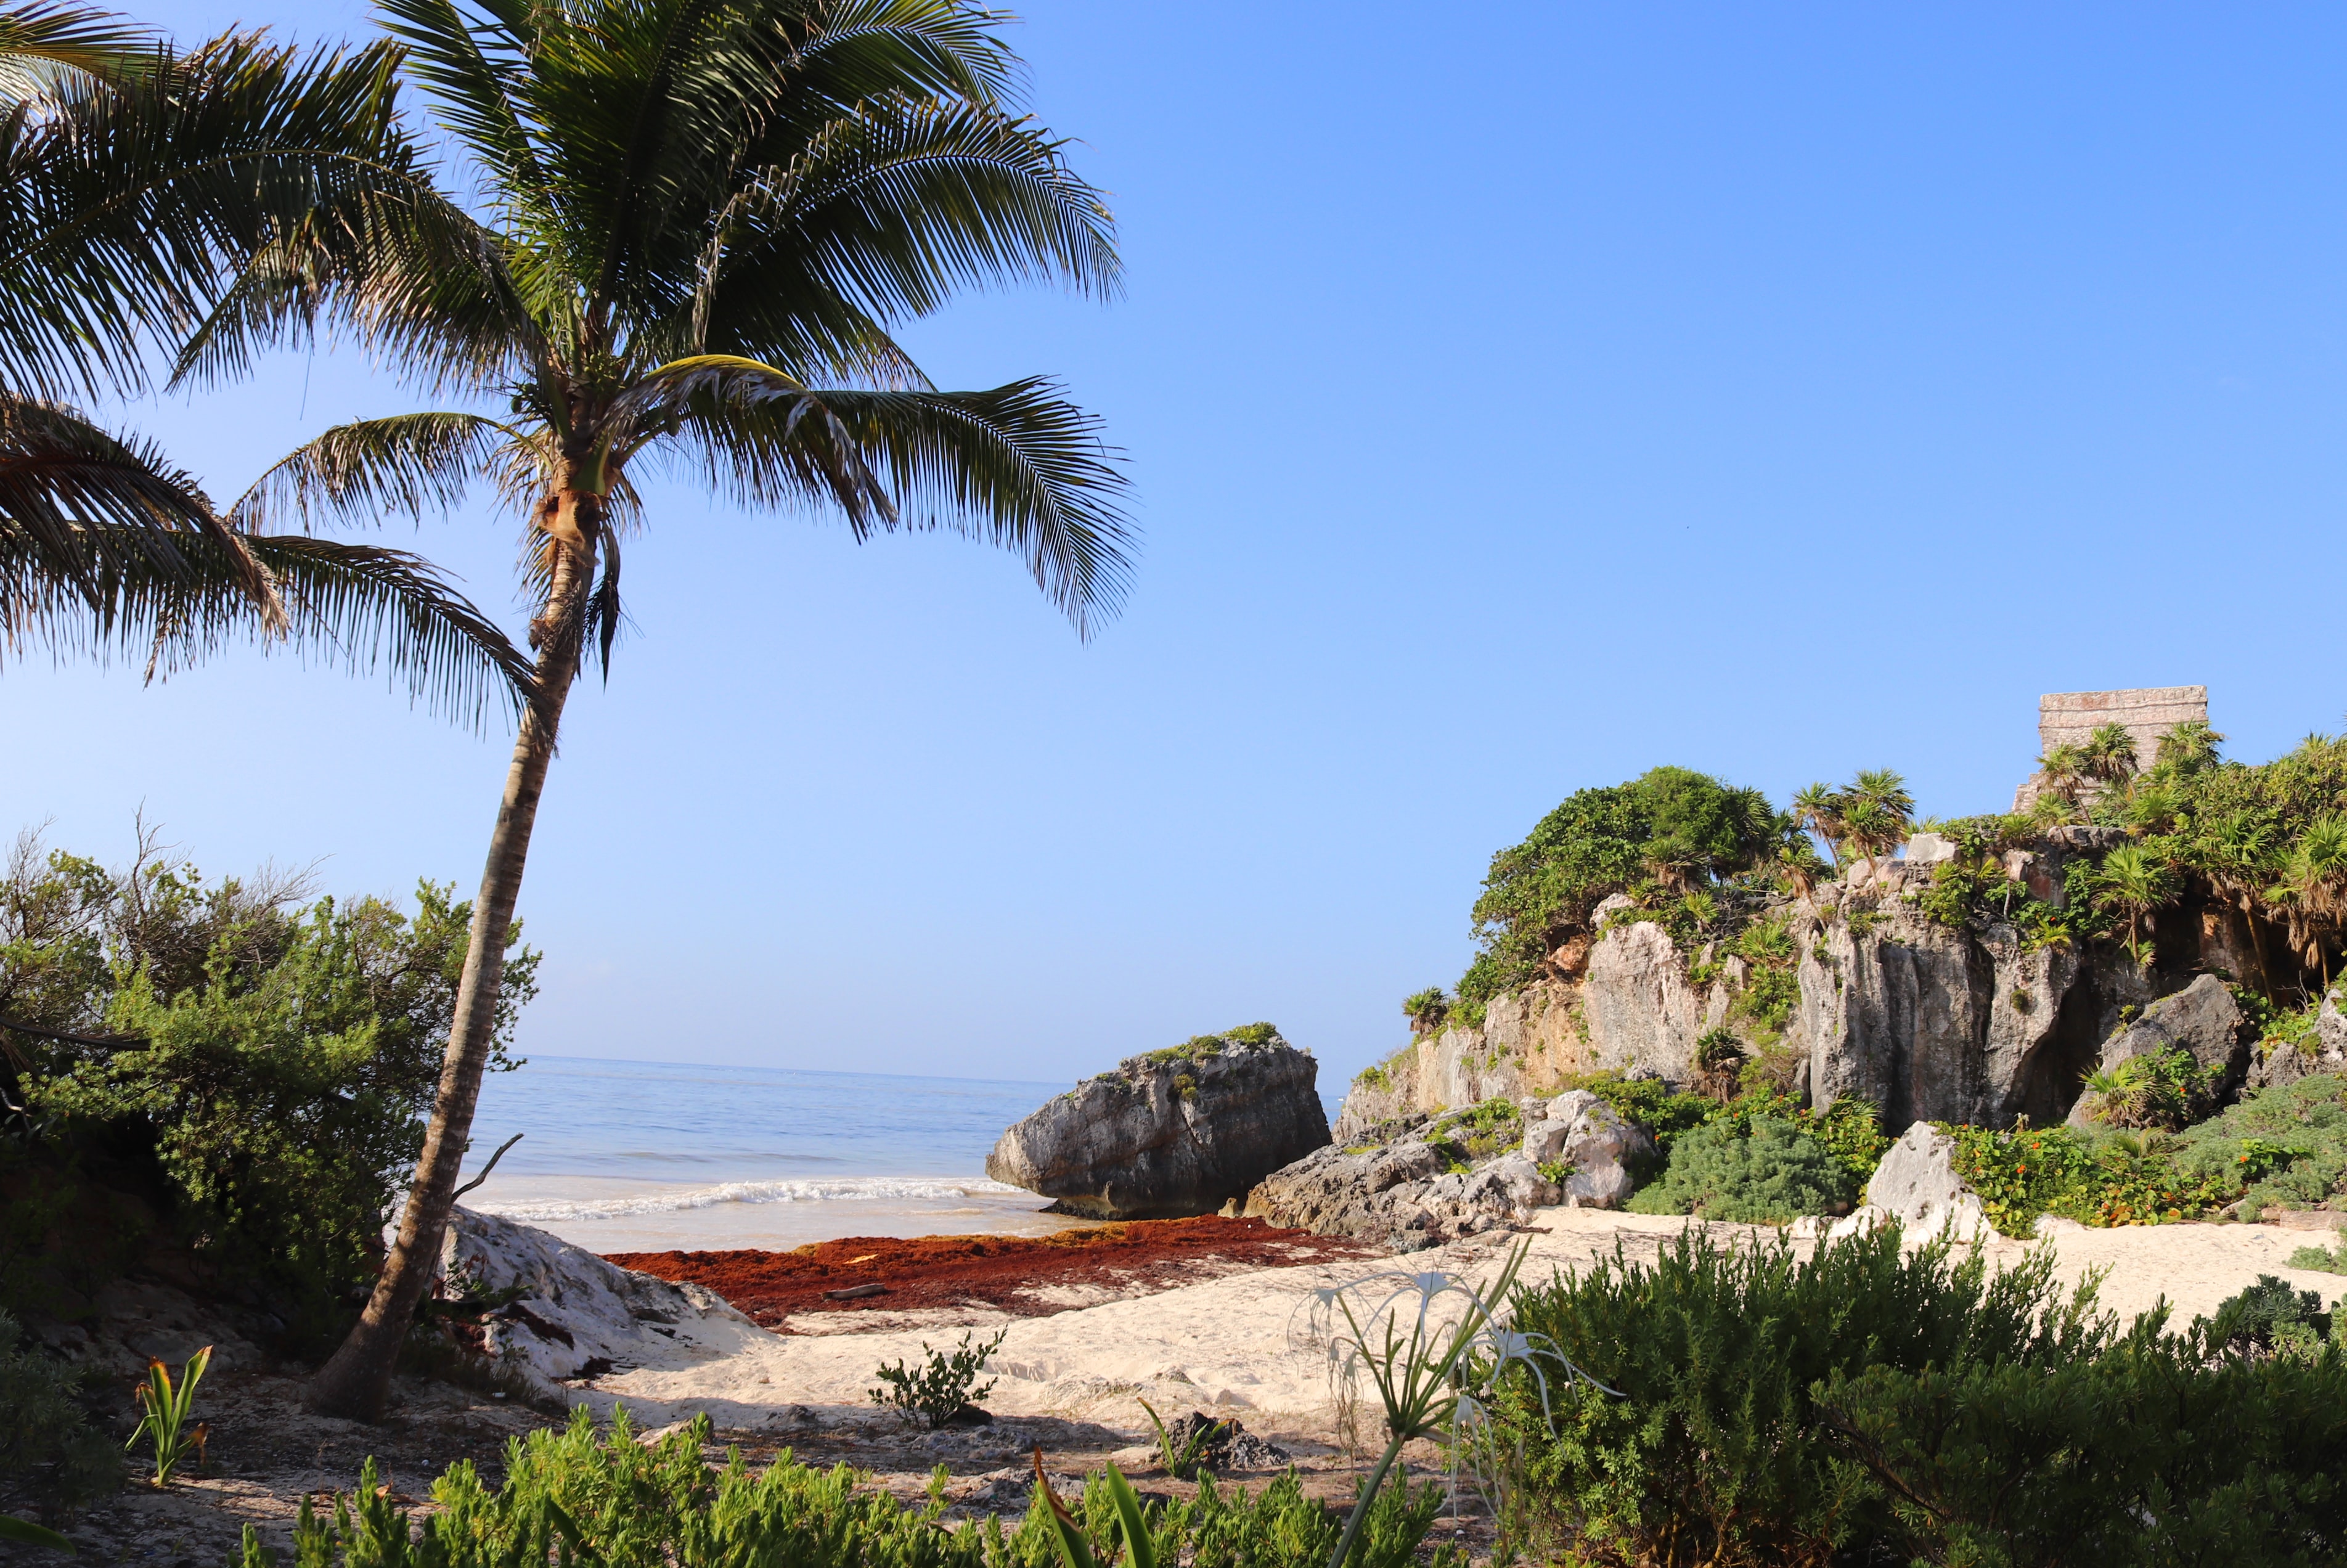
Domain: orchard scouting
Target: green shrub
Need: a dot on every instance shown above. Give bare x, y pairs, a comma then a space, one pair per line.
1764, 1171
2160, 1449
940, 1391
2324, 1259
1479, 1132
1671, 822
1717, 1452
1650, 1102
575, 1495
274, 1061
1870, 1406
2106, 1179
2164, 1090
52, 1457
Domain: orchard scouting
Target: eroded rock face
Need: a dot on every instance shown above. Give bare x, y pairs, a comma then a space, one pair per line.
1605, 1151
1917, 1185
2287, 1065
1639, 1009
2202, 1017
578, 1315
1169, 1135
1399, 1196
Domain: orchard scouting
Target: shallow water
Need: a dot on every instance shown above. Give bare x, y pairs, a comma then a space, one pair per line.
643, 1157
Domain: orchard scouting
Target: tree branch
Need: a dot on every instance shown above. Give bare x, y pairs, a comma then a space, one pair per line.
492, 1165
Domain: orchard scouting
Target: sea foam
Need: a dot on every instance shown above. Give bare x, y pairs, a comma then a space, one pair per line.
857, 1189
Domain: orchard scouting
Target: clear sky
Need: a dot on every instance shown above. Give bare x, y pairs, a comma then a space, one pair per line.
1516, 398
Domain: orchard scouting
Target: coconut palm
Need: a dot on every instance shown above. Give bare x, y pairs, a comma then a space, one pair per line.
1818, 810
134, 179
697, 225
2133, 880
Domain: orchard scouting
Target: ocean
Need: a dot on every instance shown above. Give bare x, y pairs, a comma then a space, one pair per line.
641, 1156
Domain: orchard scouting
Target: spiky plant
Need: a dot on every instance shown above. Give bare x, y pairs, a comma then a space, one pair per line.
696, 226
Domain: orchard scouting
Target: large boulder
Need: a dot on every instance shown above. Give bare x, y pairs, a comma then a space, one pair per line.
1917, 1185
1173, 1133
1402, 1195
1584, 1131
576, 1316
2203, 1019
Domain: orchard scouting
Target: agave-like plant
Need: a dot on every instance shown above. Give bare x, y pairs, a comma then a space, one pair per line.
1432, 1348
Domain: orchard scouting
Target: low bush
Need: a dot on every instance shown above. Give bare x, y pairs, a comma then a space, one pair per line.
53, 1458
1764, 1171
2166, 1090
942, 1390
1867, 1406
1479, 1132
580, 1496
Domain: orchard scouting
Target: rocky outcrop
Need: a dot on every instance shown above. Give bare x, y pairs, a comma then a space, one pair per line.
2203, 1019
574, 1315
1402, 1195
2326, 1052
1528, 1043
1640, 1009
1170, 1135
1605, 1153
1917, 1186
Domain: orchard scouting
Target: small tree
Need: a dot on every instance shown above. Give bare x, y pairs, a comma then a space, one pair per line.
2108, 756
2134, 882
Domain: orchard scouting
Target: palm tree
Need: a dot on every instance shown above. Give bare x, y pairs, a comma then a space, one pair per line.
2108, 756
2313, 888
2133, 881
2064, 768
1818, 810
131, 174
2189, 747
1885, 788
698, 224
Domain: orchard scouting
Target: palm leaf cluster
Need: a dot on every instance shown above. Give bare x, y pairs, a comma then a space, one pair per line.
135, 182
694, 226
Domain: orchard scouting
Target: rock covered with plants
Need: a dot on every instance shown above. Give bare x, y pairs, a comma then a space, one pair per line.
1171, 1134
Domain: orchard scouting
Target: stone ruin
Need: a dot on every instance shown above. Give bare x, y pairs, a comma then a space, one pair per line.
2149, 712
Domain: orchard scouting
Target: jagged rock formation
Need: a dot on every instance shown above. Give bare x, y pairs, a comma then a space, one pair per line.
1605, 1153
2203, 1019
576, 1316
1170, 1135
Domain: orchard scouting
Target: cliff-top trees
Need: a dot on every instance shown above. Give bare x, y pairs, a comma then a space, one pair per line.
696, 225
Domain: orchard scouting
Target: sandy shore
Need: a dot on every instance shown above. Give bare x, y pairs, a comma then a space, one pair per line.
1230, 1344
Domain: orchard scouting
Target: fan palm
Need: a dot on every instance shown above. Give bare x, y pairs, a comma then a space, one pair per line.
2065, 770
698, 223
1818, 810
2133, 880
134, 179
2109, 755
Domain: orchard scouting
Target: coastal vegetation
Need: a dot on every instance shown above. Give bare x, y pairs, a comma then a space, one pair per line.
227, 1070
611, 1498
1869, 1404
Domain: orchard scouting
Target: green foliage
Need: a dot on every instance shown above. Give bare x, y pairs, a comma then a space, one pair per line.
1650, 1102
1766, 1170
943, 1390
579, 1496
1426, 1009
274, 1060
163, 1410
1478, 1131
2269, 1319
2158, 1449
1199, 1049
1871, 1406
1716, 1450
2322, 1259
2162, 1089
1670, 826
53, 1458
2114, 1179
1181, 1460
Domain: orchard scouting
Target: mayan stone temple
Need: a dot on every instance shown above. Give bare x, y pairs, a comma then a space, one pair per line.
2071, 718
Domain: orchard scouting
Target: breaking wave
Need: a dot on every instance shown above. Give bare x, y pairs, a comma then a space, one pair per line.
847, 1190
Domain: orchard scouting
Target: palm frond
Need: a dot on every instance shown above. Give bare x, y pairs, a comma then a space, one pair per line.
62, 477
124, 212
364, 608
45, 46
409, 464
1017, 465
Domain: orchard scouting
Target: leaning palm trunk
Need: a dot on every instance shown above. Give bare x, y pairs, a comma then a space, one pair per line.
355, 1379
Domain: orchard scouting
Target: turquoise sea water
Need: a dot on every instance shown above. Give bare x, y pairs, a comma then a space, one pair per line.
639, 1156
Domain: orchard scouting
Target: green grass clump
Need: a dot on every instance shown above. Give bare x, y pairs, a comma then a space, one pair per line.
579, 1495
1765, 1172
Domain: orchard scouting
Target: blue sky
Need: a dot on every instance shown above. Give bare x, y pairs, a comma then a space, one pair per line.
1513, 403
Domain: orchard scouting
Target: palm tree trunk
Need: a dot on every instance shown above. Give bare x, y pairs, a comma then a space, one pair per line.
356, 1381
